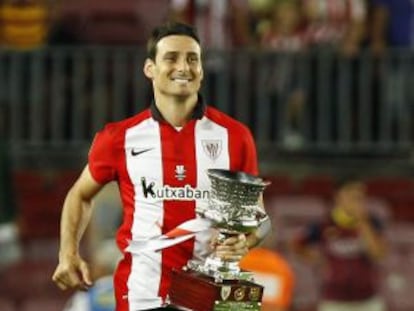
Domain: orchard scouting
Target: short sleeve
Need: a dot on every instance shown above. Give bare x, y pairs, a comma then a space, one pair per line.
250, 164
101, 158
311, 234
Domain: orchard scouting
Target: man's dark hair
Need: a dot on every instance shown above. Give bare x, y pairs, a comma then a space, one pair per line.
347, 179
169, 29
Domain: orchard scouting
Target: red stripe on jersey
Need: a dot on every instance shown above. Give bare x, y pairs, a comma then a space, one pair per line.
120, 285
178, 150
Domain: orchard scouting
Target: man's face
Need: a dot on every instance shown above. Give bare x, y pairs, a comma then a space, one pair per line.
177, 69
351, 197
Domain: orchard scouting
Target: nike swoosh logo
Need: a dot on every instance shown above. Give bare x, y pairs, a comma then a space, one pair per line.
138, 152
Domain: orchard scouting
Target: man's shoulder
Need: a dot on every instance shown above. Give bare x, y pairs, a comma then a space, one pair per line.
225, 120
122, 125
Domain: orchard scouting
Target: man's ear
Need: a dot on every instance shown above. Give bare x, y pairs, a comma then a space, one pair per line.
148, 68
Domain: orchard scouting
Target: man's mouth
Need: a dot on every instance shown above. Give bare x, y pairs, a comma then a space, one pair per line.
181, 80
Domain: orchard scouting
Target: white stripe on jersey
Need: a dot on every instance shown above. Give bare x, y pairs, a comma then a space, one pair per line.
207, 131
148, 212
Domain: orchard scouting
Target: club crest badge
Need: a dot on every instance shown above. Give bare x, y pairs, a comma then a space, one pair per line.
254, 294
225, 292
212, 148
239, 293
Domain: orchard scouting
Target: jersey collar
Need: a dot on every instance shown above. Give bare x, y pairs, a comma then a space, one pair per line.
198, 112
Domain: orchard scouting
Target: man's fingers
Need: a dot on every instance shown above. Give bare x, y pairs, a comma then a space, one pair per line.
72, 273
68, 279
65, 282
62, 286
58, 282
232, 248
86, 276
231, 241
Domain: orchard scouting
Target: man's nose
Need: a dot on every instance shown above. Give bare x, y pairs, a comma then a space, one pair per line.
182, 65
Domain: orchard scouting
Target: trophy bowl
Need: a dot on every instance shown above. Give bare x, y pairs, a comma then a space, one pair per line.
234, 201
233, 208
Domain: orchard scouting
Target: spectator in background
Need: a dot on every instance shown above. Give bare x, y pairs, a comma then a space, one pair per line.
336, 24
221, 24
391, 24
284, 34
336, 30
350, 245
273, 272
107, 22
284, 31
25, 23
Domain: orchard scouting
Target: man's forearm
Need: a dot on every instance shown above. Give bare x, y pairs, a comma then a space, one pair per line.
76, 215
374, 243
256, 237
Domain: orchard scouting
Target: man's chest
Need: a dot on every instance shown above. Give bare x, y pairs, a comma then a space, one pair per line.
168, 157
342, 243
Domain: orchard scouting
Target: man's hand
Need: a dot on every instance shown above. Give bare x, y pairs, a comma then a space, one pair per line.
232, 248
72, 273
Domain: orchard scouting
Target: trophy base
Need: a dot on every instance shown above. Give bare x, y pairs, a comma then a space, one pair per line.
220, 271
194, 291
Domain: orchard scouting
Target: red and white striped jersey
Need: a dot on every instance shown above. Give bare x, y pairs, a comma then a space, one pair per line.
214, 20
331, 19
161, 172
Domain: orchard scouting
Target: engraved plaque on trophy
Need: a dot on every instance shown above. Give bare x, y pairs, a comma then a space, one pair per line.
216, 284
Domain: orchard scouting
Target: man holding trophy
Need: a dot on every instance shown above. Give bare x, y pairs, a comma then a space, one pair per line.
191, 199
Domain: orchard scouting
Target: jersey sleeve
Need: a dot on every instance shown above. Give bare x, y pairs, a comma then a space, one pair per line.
249, 164
101, 157
310, 235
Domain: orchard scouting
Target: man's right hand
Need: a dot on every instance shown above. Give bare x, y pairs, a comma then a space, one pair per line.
72, 273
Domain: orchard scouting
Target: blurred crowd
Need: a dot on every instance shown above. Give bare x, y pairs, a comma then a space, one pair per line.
282, 25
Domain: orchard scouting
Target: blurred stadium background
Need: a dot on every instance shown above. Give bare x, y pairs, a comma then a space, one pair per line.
317, 113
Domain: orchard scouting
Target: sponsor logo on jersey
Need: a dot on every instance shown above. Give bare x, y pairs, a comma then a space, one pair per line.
150, 190
180, 172
135, 152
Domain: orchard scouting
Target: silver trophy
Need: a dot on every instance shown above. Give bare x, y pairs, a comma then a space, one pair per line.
233, 209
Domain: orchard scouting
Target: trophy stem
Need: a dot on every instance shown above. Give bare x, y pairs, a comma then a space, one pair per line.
221, 269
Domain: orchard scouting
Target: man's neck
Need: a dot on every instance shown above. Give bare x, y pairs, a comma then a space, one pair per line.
176, 111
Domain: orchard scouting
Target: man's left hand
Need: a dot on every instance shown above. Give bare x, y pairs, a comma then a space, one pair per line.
232, 248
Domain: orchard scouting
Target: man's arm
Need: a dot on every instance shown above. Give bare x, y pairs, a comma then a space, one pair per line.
72, 271
257, 236
374, 241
